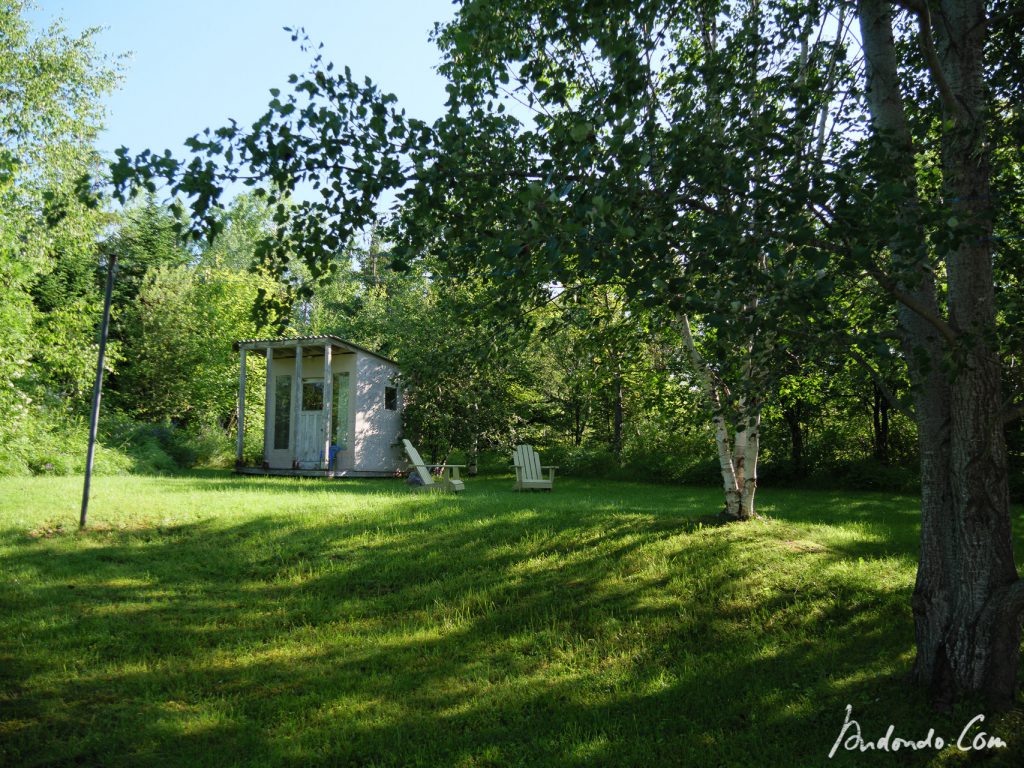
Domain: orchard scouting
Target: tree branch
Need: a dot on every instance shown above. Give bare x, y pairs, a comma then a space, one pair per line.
890, 286
883, 387
693, 202
904, 298
850, 342
999, 18
712, 381
924, 24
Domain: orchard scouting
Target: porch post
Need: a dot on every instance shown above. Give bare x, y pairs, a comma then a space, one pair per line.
241, 409
328, 403
268, 413
293, 438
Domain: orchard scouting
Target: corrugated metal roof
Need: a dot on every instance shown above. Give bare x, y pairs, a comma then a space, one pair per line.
301, 339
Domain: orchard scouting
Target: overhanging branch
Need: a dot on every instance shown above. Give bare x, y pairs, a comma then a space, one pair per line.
999, 18
911, 303
890, 287
924, 24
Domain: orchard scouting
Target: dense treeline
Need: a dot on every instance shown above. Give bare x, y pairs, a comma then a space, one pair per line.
598, 385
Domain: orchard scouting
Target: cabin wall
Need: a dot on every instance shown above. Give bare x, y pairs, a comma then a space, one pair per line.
377, 428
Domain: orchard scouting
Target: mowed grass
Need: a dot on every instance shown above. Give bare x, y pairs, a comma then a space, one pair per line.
220, 620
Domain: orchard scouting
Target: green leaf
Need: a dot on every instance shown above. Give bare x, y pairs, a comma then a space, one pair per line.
580, 131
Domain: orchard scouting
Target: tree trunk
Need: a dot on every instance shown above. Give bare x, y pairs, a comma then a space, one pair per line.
880, 424
985, 569
734, 451
473, 457
578, 422
727, 466
753, 446
967, 600
796, 437
617, 416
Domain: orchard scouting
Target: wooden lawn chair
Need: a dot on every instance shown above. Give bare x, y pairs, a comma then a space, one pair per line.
449, 479
529, 472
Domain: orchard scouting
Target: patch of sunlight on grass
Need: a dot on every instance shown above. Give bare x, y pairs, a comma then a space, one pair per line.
592, 749
178, 719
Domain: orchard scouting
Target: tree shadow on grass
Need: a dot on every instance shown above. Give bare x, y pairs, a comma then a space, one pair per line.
536, 633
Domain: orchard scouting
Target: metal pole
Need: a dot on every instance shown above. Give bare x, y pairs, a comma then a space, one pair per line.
97, 389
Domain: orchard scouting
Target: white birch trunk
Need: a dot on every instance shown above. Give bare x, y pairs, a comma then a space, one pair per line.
731, 484
751, 449
740, 445
727, 463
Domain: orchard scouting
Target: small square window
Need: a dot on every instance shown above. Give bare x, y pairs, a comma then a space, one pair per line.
391, 398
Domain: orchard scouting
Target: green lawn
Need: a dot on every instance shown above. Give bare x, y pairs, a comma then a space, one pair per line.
216, 620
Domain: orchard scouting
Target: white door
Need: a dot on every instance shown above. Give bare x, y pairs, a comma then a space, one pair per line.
310, 443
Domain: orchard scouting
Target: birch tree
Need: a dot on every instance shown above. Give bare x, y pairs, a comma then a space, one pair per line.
649, 166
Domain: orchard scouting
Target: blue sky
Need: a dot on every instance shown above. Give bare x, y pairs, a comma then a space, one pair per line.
194, 64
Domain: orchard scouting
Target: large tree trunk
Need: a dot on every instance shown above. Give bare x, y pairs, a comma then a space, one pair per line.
967, 600
984, 643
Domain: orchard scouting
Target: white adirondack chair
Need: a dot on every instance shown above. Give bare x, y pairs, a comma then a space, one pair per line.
449, 480
529, 472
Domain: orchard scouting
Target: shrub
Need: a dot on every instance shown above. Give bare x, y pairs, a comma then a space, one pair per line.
57, 444
670, 456
586, 460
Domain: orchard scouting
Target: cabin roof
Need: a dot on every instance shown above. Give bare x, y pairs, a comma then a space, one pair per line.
283, 342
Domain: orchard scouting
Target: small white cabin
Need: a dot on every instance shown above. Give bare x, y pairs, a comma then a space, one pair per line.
333, 409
